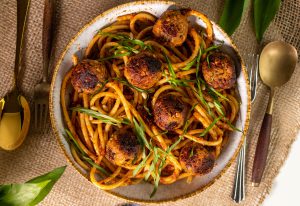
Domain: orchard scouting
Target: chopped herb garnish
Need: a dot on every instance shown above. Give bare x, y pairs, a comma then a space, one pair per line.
210, 126
217, 93
103, 117
232, 126
189, 65
125, 82
127, 42
100, 89
172, 79
192, 152
114, 56
219, 107
140, 133
139, 167
84, 156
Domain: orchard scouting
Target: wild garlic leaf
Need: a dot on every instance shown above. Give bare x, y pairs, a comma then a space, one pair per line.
31, 192
264, 13
232, 14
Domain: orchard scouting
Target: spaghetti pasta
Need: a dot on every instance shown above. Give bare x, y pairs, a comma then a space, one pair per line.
126, 129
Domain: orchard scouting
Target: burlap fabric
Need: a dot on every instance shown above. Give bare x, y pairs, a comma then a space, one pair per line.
41, 153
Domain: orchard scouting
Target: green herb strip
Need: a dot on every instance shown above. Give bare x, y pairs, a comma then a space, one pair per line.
140, 132
83, 154
142, 164
173, 78
101, 88
192, 152
103, 117
232, 126
210, 126
189, 65
125, 82
127, 42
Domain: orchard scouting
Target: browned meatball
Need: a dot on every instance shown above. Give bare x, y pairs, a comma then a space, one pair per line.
88, 76
123, 147
170, 112
171, 28
220, 73
143, 70
196, 159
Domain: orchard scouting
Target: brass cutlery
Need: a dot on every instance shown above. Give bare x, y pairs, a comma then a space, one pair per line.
15, 117
276, 66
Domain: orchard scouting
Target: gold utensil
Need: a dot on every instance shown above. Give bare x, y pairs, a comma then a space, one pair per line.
15, 117
41, 90
276, 66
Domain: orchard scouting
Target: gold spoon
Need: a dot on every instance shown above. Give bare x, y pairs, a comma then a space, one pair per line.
276, 65
15, 117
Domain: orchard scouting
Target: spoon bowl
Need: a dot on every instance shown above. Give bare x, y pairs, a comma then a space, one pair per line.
277, 63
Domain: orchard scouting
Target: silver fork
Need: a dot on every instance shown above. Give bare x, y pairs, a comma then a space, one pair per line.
239, 182
41, 90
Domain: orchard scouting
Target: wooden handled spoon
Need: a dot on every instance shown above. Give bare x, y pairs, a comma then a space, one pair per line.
15, 117
276, 65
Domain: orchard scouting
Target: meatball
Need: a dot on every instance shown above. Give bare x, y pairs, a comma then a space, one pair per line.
196, 159
171, 28
123, 147
219, 72
88, 76
170, 112
143, 70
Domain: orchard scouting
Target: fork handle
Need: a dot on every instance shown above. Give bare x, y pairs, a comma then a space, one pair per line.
47, 35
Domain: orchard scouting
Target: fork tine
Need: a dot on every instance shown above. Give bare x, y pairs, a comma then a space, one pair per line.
45, 118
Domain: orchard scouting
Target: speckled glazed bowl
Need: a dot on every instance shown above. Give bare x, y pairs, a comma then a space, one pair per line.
140, 192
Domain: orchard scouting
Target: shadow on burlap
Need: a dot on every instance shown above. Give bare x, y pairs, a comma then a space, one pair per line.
41, 153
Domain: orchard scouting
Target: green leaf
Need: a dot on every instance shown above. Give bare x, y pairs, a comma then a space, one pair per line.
54, 175
21, 194
31, 192
264, 12
232, 14
103, 117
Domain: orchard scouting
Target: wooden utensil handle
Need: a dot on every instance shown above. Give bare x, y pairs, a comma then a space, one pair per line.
47, 35
261, 152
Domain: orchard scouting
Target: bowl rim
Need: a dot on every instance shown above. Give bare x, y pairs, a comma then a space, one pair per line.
56, 131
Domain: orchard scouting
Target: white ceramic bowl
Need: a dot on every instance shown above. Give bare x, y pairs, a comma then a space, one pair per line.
141, 192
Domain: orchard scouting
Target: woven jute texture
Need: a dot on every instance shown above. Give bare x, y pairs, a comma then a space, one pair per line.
41, 153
